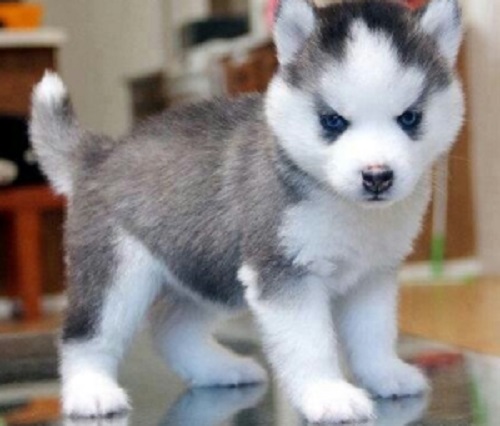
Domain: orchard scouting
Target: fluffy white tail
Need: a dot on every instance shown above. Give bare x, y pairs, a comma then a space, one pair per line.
54, 131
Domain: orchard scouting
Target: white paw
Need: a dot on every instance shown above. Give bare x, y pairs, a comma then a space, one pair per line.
232, 371
335, 401
90, 394
394, 380
112, 421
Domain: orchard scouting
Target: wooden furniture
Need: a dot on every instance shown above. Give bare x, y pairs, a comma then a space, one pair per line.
24, 57
251, 74
25, 205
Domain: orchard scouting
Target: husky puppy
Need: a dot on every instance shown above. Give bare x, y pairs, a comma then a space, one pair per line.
294, 204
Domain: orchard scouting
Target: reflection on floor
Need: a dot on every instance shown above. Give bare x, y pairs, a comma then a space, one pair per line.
465, 383
48, 323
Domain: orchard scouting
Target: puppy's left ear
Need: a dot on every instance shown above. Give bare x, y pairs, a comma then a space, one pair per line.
442, 19
293, 25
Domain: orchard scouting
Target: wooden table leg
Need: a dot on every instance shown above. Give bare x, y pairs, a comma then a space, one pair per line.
10, 257
27, 246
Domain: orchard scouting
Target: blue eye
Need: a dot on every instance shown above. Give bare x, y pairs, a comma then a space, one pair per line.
410, 120
333, 124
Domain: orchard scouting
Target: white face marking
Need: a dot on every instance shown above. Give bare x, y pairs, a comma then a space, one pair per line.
370, 88
370, 83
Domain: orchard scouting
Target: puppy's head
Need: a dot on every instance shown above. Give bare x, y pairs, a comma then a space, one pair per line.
366, 98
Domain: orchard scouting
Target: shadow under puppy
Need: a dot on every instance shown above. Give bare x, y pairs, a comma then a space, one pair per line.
279, 203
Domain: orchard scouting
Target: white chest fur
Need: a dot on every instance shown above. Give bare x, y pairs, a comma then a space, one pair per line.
343, 242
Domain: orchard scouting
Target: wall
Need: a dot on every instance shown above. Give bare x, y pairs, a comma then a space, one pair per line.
176, 13
483, 66
108, 42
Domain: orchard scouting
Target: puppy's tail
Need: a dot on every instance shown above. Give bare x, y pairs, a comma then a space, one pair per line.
54, 131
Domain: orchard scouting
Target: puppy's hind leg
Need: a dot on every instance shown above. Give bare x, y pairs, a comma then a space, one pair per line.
112, 285
183, 334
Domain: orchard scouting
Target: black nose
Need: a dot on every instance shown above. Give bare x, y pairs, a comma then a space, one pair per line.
377, 180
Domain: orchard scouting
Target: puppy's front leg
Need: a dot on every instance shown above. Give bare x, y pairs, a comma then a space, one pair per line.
300, 342
368, 326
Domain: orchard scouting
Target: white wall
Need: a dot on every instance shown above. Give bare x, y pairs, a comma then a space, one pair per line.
186, 10
483, 59
176, 13
108, 42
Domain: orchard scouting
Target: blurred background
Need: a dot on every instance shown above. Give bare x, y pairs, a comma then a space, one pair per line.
126, 59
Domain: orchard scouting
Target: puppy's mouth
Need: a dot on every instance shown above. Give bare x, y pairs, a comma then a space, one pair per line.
376, 198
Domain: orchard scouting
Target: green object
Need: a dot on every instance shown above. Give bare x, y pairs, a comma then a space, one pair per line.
437, 255
470, 279
479, 412
2, 422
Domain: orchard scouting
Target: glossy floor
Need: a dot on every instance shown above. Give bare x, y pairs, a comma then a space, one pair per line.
466, 383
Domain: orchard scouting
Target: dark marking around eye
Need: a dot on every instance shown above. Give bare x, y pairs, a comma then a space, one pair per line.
410, 121
333, 125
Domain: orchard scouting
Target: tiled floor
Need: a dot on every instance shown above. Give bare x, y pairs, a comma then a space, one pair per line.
466, 383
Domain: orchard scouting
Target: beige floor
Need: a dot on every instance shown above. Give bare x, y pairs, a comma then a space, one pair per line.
466, 315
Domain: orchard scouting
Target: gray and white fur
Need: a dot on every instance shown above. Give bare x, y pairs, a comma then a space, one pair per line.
287, 203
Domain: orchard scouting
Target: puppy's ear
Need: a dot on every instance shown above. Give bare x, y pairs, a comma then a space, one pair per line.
294, 23
442, 19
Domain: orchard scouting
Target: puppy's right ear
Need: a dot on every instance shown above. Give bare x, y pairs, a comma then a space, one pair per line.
442, 19
293, 25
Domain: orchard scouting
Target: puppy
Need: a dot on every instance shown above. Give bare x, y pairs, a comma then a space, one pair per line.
294, 204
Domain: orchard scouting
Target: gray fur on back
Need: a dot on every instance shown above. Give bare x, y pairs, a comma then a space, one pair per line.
198, 186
